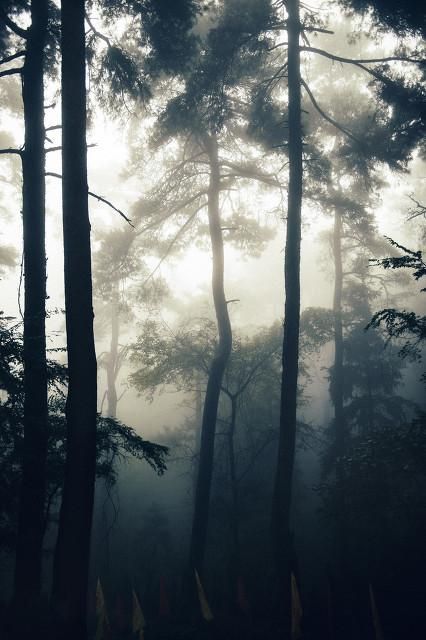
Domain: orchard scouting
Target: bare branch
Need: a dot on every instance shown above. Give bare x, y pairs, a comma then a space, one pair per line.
17, 152
19, 54
109, 204
171, 245
59, 148
53, 127
98, 197
11, 72
317, 30
361, 61
22, 33
241, 171
418, 210
97, 33
178, 207
327, 117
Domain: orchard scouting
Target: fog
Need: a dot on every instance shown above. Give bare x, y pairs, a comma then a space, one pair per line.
198, 161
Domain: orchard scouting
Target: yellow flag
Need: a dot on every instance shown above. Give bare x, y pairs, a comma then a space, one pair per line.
138, 620
375, 615
205, 609
296, 610
102, 628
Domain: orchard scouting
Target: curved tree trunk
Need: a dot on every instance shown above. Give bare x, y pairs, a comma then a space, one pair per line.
28, 564
71, 565
282, 542
217, 369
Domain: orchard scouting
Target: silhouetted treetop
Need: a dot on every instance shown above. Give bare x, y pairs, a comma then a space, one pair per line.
403, 18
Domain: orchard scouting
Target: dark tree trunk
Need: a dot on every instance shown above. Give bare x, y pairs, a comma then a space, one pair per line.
71, 565
337, 398
112, 365
282, 543
217, 369
341, 595
198, 421
28, 564
235, 516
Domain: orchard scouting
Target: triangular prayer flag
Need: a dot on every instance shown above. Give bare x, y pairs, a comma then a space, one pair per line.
102, 627
296, 610
205, 609
138, 619
375, 615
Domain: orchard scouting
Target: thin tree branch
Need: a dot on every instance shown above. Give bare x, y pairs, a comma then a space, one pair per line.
19, 54
317, 30
175, 209
171, 245
59, 148
242, 171
361, 61
11, 72
97, 33
53, 127
98, 197
17, 152
109, 204
327, 117
22, 33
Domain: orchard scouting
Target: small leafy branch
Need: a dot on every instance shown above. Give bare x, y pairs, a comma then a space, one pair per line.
403, 324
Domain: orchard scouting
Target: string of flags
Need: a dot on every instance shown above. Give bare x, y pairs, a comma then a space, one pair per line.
103, 628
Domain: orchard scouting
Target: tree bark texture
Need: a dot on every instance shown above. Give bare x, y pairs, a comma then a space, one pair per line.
71, 564
217, 369
28, 566
282, 543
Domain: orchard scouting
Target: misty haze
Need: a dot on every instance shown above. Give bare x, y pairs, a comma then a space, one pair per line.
212, 320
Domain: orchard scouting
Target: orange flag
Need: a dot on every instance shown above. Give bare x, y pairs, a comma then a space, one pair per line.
204, 605
375, 615
296, 610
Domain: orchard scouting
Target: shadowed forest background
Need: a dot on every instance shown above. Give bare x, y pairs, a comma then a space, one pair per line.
212, 329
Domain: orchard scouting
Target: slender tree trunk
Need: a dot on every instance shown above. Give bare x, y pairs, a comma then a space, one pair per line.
217, 369
338, 383
282, 542
71, 565
339, 428
198, 420
235, 521
112, 366
28, 564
